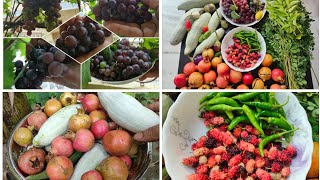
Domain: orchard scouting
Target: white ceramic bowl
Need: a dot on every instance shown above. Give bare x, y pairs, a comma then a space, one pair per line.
238, 24
183, 125
228, 41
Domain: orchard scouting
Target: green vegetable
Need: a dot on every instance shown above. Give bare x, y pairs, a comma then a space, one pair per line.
223, 100
251, 116
271, 138
291, 54
246, 96
222, 107
281, 123
238, 120
204, 36
235, 15
250, 38
207, 97
265, 105
230, 115
266, 113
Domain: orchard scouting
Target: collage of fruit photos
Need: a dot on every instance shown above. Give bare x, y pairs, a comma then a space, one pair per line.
160, 90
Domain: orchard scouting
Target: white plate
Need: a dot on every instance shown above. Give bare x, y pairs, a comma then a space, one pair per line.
183, 125
241, 25
228, 41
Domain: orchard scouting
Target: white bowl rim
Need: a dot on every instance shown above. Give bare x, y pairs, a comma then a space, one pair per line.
262, 52
243, 25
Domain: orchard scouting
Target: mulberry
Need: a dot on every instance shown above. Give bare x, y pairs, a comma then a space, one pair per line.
233, 171
263, 175
235, 160
198, 177
245, 146
202, 169
217, 175
285, 171
210, 143
275, 167
190, 161
250, 166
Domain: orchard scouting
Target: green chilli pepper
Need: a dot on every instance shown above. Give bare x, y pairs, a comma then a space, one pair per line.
207, 97
225, 94
265, 105
263, 97
230, 115
223, 100
222, 107
246, 96
271, 138
251, 116
281, 123
272, 98
236, 121
266, 113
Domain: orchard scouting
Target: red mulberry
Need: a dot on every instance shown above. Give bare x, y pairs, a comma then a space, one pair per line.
201, 151
233, 171
245, 146
263, 175
198, 177
237, 132
190, 161
217, 175
285, 171
235, 160
244, 134
250, 166
275, 167
273, 152
202, 169
291, 150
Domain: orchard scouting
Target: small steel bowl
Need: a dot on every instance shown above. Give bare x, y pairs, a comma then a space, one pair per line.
139, 166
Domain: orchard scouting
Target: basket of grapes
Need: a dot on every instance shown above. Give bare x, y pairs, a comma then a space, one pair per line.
126, 61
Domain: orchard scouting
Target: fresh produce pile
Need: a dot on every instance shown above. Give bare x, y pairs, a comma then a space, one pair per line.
61, 140
121, 62
289, 45
32, 10
243, 12
43, 60
244, 139
211, 73
131, 11
244, 53
81, 35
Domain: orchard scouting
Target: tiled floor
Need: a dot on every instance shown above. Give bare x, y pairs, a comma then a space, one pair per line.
171, 53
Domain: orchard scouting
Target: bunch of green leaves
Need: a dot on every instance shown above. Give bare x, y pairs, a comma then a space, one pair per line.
310, 102
292, 55
286, 14
145, 98
40, 98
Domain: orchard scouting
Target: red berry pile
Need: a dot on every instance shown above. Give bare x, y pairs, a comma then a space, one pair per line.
240, 55
222, 154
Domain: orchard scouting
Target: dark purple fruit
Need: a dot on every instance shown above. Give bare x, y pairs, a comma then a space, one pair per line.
47, 57
71, 42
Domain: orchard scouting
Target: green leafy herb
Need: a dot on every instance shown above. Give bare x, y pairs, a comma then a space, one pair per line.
40, 98
310, 102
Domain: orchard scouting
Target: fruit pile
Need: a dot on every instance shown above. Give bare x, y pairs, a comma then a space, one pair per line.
243, 12
86, 123
43, 60
127, 61
241, 147
81, 35
124, 10
207, 71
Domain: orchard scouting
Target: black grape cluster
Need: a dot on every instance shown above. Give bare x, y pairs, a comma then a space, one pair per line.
42, 61
81, 36
123, 10
32, 9
127, 62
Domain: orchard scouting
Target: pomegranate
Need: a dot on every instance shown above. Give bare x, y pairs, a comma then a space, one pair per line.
235, 76
217, 46
264, 73
222, 82
195, 80
113, 168
242, 86
215, 61
59, 167
97, 115
204, 66
37, 117
257, 84
283, 87
223, 69
180, 80
79, 121
229, 87
68, 98
23, 136
90, 102
99, 128
204, 86
32, 161
277, 76
126, 159
189, 68
61, 146
184, 87
247, 79
83, 140
92, 175
52, 106
209, 77
117, 142
207, 54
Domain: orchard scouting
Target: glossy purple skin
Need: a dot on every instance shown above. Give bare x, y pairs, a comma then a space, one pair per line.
197, 59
